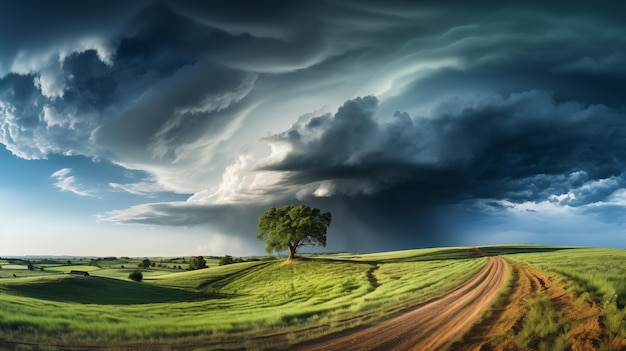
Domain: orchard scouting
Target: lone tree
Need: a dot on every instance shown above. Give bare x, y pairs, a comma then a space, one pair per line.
290, 227
197, 262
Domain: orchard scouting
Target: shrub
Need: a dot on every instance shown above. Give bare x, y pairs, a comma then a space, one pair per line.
136, 276
144, 264
224, 260
197, 262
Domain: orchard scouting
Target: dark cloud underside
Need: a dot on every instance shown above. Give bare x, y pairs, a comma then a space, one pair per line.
429, 107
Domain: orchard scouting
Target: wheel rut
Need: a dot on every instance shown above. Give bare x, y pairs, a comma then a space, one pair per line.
578, 324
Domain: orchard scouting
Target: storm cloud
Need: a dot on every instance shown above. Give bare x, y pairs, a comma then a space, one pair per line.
522, 147
403, 174
400, 118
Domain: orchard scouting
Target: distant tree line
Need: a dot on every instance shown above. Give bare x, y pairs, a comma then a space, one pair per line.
228, 259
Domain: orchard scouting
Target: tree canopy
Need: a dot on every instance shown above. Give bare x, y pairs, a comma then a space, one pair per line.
290, 227
144, 263
224, 260
136, 276
197, 262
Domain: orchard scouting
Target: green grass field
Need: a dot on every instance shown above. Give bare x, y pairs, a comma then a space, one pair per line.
600, 273
294, 302
305, 299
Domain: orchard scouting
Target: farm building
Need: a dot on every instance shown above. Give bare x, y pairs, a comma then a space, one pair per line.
81, 273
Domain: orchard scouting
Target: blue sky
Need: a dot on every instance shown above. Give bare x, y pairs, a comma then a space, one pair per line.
166, 128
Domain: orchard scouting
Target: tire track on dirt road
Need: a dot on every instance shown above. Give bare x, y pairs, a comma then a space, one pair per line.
431, 326
580, 326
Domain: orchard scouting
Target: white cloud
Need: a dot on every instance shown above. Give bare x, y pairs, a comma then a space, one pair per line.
67, 182
241, 183
325, 189
563, 197
149, 187
51, 82
53, 118
552, 206
47, 66
618, 197
103, 49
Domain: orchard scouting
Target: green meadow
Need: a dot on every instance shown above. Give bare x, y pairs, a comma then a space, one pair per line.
173, 308
299, 301
598, 273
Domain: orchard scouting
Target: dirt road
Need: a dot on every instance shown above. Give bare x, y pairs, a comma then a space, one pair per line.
580, 325
432, 326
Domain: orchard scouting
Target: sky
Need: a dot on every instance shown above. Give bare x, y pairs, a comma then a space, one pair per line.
166, 128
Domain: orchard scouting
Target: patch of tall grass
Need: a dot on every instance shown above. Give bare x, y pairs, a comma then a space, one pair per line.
544, 327
595, 275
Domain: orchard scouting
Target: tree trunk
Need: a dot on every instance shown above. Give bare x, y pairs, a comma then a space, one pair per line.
292, 251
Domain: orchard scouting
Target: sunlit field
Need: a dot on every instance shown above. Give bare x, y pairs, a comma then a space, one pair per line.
173, 307
270, 304
600, 273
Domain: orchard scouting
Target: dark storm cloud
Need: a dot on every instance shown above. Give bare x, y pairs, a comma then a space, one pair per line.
148, 84
506, 102
30, 29
522, 147
99, 60
34, 127
137, 93
404, 176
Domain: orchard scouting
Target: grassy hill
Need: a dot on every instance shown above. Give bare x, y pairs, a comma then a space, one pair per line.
312, 297
318, 295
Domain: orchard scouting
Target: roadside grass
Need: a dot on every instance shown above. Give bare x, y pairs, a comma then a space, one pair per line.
595, 275
297, 302
544, 327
